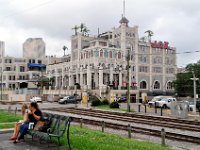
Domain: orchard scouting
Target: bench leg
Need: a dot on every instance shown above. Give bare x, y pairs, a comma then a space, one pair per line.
48, 141
59, 141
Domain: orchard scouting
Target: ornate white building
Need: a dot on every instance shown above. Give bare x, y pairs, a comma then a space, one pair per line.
99, 61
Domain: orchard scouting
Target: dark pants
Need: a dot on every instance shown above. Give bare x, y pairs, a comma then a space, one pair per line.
23, 129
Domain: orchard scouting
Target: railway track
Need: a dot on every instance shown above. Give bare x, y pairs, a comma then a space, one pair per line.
137, 118
173, 123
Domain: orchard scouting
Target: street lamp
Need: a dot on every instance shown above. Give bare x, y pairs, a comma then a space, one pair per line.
194, 85
128, 88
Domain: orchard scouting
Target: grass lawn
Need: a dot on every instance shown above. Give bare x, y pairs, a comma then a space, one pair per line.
9, 117
6, 117
88, 139
106, 107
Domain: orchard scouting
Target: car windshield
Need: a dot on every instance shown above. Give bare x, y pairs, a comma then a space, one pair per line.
66, 97
157, 99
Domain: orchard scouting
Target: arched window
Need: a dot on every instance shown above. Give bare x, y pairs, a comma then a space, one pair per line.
119, 55
91, 53
110, 53
86, 54
156, 85
169, 85
101, 53
143, 85
105, 53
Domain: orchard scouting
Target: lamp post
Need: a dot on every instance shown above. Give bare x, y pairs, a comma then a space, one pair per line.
194, 85
128, 88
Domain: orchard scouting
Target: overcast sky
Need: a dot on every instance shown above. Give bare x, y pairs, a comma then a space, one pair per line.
176, 21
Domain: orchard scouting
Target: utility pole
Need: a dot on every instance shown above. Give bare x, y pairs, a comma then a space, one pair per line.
194, 85
1, 85
128, 85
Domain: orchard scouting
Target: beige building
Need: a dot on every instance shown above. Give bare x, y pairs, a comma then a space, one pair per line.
34, 48
100, 62
22, 73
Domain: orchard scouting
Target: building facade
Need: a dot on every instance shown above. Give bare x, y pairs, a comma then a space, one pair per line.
96, 62
24, 72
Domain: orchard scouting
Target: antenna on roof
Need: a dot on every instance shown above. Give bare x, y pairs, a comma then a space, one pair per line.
124, 8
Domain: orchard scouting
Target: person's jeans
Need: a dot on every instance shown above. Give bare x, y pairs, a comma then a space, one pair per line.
23, 129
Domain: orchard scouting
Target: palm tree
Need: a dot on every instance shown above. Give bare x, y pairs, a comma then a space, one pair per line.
82, 26
85, 30
150, 34
64, 48
75, 28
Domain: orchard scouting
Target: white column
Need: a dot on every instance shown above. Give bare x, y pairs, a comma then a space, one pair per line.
163, 72
62, 80
111, 75
100, 76
81, 77
56, 80
70, 78
77, 77
120, 79
150, 70
88, 77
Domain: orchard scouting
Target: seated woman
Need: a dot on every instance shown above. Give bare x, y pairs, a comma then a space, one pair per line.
34, 115
24, 111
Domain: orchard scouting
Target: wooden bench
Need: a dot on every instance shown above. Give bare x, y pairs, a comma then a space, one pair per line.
59, 125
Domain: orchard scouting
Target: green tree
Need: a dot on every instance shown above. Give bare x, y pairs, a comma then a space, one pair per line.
183, 83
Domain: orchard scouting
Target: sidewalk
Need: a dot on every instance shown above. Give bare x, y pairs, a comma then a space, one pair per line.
6, 144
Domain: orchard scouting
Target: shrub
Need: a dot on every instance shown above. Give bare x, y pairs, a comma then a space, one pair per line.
96, 103
114, 105
105, 102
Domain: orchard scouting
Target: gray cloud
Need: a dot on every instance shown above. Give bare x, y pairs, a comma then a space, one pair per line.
174, 21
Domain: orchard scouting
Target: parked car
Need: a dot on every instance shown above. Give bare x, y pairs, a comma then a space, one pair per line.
121, 99
165, 102
156, 98
78, 97
192, 106
68, 99
36, 99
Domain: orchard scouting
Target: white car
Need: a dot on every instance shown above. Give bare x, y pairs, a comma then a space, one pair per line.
36, 99
165, 102
156, 98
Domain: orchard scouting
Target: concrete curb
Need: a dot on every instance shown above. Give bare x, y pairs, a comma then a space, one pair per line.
4, 131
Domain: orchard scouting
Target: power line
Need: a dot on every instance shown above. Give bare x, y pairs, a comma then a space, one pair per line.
27, 9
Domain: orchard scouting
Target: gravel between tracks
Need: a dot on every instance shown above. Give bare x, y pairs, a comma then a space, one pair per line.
176, 145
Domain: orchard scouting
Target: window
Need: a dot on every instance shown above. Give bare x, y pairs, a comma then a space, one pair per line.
22, 69
101, 53
86, 54
110, 53
119, 55
157, 69
91, 53
143, 69
39, 61
170, 70
156, 85
169, 85
33, 61
105, 53
143, 85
